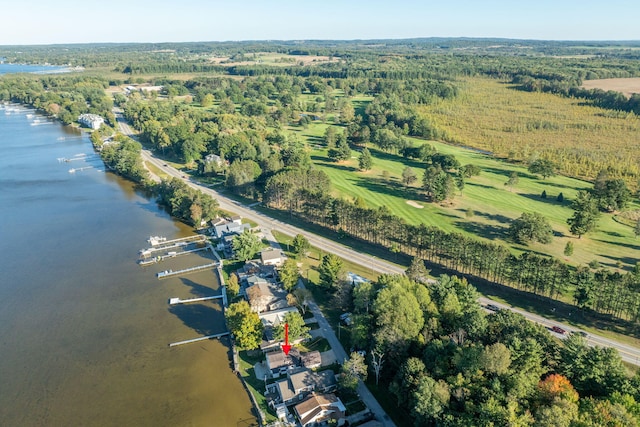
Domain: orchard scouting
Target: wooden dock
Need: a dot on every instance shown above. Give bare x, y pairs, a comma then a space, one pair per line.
208, 337
171, 254
174, 301
172, 244
170, 273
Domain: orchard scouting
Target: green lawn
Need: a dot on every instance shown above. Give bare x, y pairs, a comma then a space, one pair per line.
256, 387
493, 204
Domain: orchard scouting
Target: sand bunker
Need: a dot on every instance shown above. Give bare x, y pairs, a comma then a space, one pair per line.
414, 204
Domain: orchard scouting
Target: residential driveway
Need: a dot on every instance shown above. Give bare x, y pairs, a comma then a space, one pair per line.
327, 358
269, 237
341, 355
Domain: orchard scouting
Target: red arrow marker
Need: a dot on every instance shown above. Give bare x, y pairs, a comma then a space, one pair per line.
286, 347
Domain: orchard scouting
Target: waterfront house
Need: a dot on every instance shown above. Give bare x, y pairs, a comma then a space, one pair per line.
279, 363
260, 294
300, 382
92, 121
229, 226
318, 408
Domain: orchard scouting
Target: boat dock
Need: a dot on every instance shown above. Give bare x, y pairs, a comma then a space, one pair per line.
208, 337
169, 273
162, 241
171, 254
158, 245
173, 301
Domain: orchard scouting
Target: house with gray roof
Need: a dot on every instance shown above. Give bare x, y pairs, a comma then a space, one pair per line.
318, 408
300, 383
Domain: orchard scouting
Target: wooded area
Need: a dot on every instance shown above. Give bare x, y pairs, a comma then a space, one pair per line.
279, 133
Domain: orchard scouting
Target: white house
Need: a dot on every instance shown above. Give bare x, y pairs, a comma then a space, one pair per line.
272, 257
235, 225
92, 121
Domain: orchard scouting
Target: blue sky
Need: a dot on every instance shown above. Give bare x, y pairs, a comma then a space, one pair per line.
74, 21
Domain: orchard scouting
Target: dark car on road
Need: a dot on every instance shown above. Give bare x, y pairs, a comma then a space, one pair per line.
493, 307
558, 330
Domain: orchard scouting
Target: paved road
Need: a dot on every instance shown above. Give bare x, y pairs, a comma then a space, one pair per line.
628, 353
268, 224
341, 356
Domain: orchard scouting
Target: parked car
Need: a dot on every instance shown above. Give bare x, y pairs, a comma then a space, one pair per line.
558, 330
493, 307
346, 318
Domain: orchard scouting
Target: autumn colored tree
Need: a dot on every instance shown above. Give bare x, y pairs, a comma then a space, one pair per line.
557, 386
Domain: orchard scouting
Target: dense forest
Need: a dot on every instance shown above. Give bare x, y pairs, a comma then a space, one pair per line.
448, 363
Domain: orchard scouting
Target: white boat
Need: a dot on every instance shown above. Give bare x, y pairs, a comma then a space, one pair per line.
156, 240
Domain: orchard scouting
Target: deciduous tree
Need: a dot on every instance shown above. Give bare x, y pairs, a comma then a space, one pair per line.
543, 167
585, 215
246, 245
512, 181
531, 227
408, 176
244, 324
300, 246
232, 285
354, 369
297, 328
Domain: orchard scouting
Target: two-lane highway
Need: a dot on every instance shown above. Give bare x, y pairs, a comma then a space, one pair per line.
628, 353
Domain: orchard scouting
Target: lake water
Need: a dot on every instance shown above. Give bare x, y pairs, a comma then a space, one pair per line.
84, 329
23, 68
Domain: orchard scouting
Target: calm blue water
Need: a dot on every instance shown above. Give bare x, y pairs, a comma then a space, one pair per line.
22, 68
85, 330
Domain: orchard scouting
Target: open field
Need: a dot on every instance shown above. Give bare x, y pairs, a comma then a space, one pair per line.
627, 86
272, 58
493, 115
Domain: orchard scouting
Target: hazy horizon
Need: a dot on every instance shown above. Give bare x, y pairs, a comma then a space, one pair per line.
85, 22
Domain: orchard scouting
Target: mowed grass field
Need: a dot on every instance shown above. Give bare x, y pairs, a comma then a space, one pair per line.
494, 205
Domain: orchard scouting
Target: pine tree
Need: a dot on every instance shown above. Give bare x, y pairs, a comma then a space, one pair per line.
365, 161
568, 249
